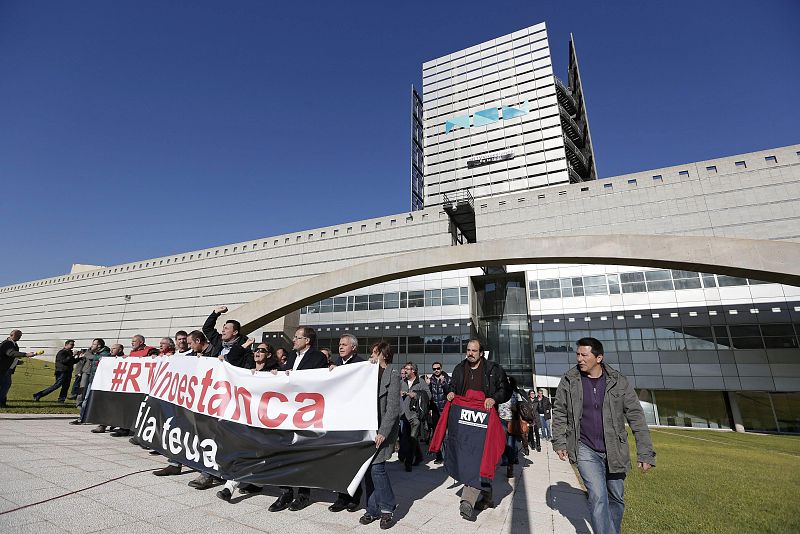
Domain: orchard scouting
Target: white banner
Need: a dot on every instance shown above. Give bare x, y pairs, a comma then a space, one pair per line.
316, 399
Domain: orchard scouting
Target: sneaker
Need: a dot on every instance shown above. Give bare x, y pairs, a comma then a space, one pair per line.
168, 471
366, 519
465, 509
387, 520
225, 494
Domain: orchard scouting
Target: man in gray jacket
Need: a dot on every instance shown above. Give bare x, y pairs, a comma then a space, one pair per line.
414, 394
592, 403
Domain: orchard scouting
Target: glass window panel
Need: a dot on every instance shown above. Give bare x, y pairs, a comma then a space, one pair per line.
698, 409
534, 294
549, 284
676, 273
596, 290
566, 292
787, 406
744, 330
340, 304
653, 276
450, 296
577, 282
433, 345
304, 309
403, 299
637, 287
635, 333
631, 277
757, 282
725, 281
416, 299
661, 285
777, 329
781, 342
362, 302
695, 343
464, 295
757, 411
613, 288
698, 331
391, 301
566, 282
577, 291
636, 344
667, 344
687, 283
433, 297
708, 280
326, 306
748, 343
532, 285
313, 308
350, 303
649, 344
557, 335
451, 348
648, 333
594, 280
550, 293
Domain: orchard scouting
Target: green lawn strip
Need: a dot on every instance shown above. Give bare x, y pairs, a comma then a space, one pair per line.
775, 443
35, 375
714, 487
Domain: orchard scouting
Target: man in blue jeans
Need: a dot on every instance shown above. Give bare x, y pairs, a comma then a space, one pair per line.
543, 410
592, 403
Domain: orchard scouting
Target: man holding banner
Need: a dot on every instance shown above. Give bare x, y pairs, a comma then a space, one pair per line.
475, 436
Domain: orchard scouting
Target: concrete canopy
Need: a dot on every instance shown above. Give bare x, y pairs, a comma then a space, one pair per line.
771, 261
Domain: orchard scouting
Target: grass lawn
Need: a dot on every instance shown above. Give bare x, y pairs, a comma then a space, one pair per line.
708, 481
35, 375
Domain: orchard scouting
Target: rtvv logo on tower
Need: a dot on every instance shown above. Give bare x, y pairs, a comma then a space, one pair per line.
486, 116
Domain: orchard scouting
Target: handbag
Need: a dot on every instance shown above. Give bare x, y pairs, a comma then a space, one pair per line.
526, 411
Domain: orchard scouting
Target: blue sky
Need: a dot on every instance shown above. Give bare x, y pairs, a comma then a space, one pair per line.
131, 130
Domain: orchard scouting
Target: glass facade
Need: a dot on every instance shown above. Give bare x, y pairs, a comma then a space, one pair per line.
450, 296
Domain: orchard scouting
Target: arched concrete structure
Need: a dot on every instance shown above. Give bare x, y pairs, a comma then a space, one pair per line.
772, 261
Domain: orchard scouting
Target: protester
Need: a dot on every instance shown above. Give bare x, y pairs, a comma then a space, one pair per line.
543, 409
65, 360
9, 352
327, 353
304, 357
80, 361
348, 347
139, 348
96, 351
282, 355
437, 385
166, 347
414, 395
592, 403
380, 498
476, 373
533, 430
117, 351
264, 362
182, 343
230, 344
508, 414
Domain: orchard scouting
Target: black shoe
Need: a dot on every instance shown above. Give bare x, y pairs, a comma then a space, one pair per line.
366, 519
133, 440
249, 488
121, 433
99, 429
224, 494
170, 470
526, 451
438, 461
62, 400
465, 509
36, 397
353, 506
538, 449
484, 503
72, 397
299, 503
75, 422
154, 453
203, 482
510, 471
338, 505
282, 502
387, 521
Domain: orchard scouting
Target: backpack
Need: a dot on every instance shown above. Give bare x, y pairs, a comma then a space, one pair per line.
526, 411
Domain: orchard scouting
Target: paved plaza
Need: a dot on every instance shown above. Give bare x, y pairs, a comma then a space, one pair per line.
42, 458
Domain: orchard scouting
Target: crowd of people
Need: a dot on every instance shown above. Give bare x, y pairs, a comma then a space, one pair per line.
409, 407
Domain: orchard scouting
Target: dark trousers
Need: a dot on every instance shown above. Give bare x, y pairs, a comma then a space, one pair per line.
63, 379
5, 385
300, 491
356, 498
435, 414
533, 437
76, 387
409, 442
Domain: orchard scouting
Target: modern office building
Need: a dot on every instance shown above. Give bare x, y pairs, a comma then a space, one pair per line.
496, 155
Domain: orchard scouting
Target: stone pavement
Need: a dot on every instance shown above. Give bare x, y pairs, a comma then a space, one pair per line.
43, 457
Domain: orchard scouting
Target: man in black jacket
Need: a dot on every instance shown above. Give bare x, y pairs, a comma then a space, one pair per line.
543, 412
228, 344
304, 357
479, 374
348, 353
65, 360
9, 351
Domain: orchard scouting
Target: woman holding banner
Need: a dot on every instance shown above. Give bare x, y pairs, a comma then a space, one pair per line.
380, 497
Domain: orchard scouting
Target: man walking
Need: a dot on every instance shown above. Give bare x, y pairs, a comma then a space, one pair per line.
9, 352
439, 382
476, 373
543, 411
348, 348
592, 403
64, 362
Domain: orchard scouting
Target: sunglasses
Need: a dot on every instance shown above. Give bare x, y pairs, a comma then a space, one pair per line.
261, 350
437, 368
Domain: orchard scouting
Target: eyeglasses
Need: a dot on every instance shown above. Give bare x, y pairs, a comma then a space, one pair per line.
299, 337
